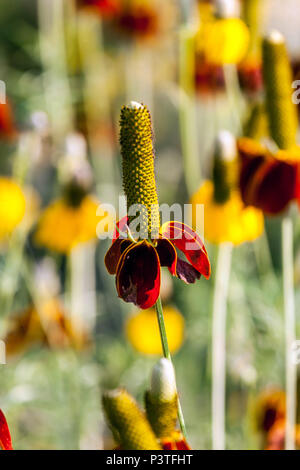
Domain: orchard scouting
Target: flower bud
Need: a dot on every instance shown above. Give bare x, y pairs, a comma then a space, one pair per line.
282, 113
224, 166
128, 423
163, 383
161, 399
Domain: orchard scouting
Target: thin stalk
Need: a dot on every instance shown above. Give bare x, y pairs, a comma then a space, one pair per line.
289, 320
58, 95
187, 108
219, 345
167, 355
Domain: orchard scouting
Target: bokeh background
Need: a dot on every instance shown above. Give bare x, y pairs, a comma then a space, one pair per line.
68, 70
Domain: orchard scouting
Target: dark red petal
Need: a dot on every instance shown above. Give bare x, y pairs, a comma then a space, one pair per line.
169, 445
277, 188
114, 253
186, 272
5, 438
167, 254
182, 445
121, 224
189, 242
265, 181
138, 275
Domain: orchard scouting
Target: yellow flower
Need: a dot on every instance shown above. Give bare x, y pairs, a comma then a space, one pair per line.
225, 41
12, 206
143, 333
230, 221
63, 226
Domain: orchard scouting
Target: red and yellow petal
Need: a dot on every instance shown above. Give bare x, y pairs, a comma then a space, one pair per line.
189, 242
138, 275
167, 254
5, 438
175, 442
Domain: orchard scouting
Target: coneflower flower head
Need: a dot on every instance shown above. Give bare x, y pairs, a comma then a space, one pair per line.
136, 139
277, 74
137, 260
128, 422
161, 399
225, 166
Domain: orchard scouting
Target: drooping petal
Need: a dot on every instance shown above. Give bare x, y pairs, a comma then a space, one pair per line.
167, 254
266, 182
186, 272
189, 242
5, 438
277, 187
114, 253
138, 275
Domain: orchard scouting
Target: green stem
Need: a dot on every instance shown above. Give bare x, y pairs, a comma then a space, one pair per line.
290, 336
167, 355
219, 345
187, 108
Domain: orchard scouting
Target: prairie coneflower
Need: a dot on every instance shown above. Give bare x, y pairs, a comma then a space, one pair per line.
138, 19
227, 222
67, 222
227, 219
137, 262
143, 333
268, 180
270, 407
5, 438
271, 181
72, 219
226, 37
154, 428
161, 406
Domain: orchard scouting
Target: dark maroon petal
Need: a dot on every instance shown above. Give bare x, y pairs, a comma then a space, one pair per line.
266, 182
114, 253
167, 254
138, 275
186, 272
277, 188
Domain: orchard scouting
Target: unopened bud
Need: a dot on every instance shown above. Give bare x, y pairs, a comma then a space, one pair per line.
161, 399
224, 166
163, 383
